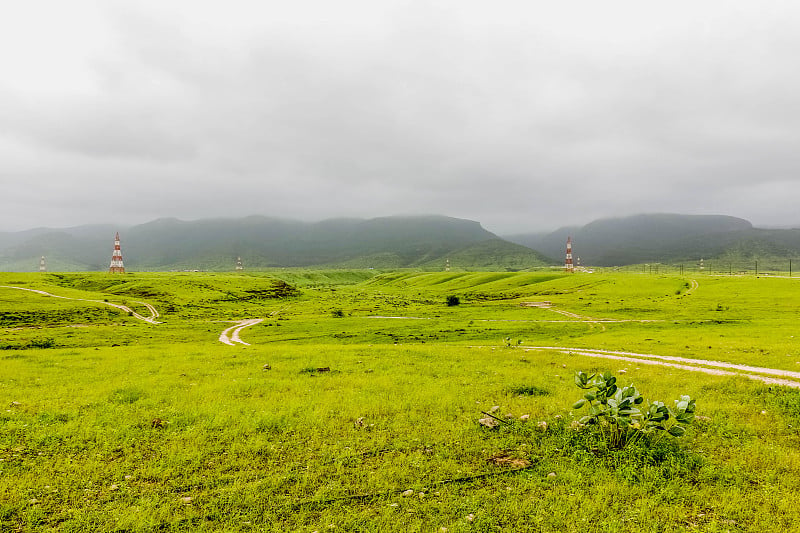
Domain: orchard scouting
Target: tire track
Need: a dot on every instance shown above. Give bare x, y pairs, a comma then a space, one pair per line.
151, 319
693, 287
716, 368
231, 335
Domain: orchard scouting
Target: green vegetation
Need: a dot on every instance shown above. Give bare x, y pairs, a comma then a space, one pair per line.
453, 300
615, 411
356, 404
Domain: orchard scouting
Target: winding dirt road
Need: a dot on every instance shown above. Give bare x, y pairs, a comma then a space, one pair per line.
151, 319
231, 335
784, 377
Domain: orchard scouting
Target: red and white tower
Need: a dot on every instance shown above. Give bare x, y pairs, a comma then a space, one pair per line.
42, 265
568, 262
116, 258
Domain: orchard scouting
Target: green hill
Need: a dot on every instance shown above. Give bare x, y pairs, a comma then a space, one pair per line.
423, 242
666, 238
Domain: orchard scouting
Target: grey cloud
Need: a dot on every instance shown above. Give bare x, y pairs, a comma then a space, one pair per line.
533, 116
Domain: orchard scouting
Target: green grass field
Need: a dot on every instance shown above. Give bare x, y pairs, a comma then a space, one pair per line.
354, 405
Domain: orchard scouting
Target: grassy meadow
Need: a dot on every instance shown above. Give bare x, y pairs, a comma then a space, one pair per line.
355, 404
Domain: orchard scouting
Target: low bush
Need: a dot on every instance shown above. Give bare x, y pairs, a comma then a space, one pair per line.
618, 417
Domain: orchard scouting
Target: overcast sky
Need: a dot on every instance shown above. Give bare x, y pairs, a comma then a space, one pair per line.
523, 115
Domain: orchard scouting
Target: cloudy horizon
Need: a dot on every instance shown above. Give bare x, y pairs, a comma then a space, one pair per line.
523, 116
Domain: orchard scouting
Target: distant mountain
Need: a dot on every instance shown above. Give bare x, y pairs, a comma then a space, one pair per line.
665, 238
263, 242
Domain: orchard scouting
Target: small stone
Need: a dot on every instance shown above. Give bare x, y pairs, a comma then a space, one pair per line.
524, 418
408, 493
266, 367
359, 423
488, 422
393, 504
114, 486
763, 412
470, 517
186, 499
494, 409
128, 477
551, 474
541, 425
33, 501
623, 371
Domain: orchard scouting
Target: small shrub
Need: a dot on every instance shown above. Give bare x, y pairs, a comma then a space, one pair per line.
616, 413
453, 300
527, 390
49, 342
510, 343
315, 370
337, 313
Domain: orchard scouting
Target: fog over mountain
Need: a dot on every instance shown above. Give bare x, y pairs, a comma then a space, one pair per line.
527, 116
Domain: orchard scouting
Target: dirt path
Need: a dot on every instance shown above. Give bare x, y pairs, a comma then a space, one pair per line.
231, 334
692, 288
783, 377
153, 311
151, 319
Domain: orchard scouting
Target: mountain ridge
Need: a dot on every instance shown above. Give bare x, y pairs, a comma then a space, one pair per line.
664, 238
266, 242
423, 242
